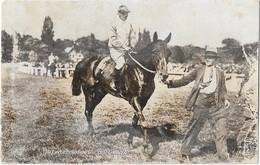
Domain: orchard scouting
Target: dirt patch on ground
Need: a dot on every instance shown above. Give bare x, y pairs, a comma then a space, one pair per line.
43, 123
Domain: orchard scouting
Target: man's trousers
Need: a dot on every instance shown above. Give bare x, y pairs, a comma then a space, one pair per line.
206, 109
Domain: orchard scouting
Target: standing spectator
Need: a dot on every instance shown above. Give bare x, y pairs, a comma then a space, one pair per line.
51, 59
52, 65
209, 102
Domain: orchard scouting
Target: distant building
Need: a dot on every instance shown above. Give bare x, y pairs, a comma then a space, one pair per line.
74, 56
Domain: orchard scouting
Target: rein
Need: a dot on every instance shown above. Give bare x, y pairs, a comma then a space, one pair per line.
148, 70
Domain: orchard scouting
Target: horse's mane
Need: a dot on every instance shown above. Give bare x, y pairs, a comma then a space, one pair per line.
146, 50
141, 56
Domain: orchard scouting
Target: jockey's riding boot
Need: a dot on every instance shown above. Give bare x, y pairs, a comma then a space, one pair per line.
110, 77
117, 72
115, 79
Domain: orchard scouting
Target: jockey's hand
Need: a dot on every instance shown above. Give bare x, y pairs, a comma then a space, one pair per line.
227, 104
128, 49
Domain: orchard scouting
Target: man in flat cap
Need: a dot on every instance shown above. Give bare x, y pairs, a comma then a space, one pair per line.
208, 100
122, 37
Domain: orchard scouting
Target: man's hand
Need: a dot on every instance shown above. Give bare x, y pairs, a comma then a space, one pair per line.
227, 104
166, 82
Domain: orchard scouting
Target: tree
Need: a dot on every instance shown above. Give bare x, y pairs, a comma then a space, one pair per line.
32, 56
190, 51
177, 55
16, 50
48, 33
59, 49
88, 46
7, 47
233, 50
251, 49
144, 39
27, 44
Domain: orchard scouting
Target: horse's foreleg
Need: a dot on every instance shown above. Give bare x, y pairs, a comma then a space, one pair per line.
89, 111
135, 121
139, 115
93, 97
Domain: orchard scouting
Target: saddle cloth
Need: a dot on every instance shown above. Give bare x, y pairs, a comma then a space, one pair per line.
107, 65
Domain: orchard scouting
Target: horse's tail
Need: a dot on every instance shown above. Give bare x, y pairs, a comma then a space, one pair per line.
76, 83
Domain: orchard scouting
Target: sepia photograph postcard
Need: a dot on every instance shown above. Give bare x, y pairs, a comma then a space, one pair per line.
129, 81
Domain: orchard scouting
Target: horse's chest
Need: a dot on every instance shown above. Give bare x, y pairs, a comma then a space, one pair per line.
139, 77
135, 82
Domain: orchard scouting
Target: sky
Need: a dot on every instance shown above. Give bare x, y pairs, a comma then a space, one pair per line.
196, 22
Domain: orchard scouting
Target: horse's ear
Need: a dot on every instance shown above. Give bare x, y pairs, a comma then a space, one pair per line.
155, 37
168, 38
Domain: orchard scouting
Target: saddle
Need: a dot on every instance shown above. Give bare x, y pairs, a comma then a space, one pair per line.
106, 69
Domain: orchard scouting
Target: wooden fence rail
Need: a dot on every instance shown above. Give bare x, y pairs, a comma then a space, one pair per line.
67, 72
41, 71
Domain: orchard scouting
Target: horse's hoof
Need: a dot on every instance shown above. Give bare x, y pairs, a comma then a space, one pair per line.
130, 144
145, 146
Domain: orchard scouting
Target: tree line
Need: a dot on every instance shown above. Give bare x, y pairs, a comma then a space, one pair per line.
37, 50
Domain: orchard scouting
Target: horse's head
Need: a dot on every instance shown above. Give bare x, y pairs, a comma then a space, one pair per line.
160, 53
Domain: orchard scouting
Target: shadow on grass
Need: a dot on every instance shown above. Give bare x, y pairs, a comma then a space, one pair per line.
156, 135
210, 148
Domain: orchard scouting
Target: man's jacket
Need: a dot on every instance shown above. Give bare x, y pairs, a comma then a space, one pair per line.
121, 35
197, 75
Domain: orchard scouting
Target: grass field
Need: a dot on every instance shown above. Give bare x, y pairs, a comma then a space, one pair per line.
43, 123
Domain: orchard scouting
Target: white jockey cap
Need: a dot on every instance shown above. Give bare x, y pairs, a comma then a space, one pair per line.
123, 10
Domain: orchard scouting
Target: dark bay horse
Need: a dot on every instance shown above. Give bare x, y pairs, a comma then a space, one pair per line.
134, 84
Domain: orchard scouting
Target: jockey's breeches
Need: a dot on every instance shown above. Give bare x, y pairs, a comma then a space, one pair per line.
118, 56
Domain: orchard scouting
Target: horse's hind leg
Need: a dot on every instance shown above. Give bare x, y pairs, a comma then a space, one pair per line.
93, 97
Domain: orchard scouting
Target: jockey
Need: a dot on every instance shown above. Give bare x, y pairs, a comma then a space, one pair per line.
122, 37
